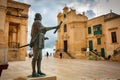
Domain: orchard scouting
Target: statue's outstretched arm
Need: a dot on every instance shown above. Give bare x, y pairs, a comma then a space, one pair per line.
46, 38
50, 28
45, 29
56, 27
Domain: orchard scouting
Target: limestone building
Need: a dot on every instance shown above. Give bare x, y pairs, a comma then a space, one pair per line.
103, 34
13, 29
77, 33
72, 34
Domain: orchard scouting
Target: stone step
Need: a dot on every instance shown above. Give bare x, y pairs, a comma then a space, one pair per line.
36, 78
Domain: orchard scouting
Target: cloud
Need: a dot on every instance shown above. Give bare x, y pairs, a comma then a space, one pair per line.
90, 14
52, 38
104, 6
30, 21
107, 0
45, 11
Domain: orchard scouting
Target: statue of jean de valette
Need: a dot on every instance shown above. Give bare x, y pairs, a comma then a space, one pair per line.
37, 43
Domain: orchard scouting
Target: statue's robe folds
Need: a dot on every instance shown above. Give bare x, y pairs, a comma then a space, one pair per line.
37, 37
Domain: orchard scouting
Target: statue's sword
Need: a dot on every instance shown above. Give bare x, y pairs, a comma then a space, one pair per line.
29, 44
24, 45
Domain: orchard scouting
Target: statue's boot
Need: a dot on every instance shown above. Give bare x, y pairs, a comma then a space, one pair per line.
34, 74
41, 73
39, 68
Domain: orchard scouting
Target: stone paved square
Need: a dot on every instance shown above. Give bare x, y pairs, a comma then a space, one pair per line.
66, 69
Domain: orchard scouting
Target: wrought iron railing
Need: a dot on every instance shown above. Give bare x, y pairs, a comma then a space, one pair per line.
98, 32
116, 51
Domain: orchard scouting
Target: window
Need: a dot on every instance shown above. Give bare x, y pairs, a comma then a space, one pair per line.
98, 41
89, 30
97, 29
113, 36
65, 28
64, 15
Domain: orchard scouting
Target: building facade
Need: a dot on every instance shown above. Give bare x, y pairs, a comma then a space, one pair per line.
68, 42
102, 34
13, 29
96, 35
78, 33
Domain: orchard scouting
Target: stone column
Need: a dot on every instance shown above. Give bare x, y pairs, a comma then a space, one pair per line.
23, 41
14, 34
6, 32
3, 49
3, 4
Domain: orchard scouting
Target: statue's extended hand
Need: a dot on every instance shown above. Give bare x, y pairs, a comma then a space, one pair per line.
60, 23
46, 38
58, 27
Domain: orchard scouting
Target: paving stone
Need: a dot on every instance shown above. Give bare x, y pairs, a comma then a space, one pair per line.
66, 69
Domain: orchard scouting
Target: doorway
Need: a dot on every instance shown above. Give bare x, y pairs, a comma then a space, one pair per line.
91, 45
102, 52
65, 46
13, 36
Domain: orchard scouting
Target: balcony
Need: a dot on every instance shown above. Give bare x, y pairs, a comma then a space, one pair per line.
98, 32
97, 29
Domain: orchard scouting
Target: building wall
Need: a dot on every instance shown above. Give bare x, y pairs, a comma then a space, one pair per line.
20, 18
3, 4
14, 29
77, 32
91, 23
110, 23
75, 35
112, 26
3, 44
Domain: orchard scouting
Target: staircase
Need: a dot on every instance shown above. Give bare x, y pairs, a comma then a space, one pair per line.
95, 55
65, 55
70, 55
116, 55
116, 51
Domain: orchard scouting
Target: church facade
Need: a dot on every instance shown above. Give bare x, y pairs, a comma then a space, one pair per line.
68, 41
79, 34
13, 29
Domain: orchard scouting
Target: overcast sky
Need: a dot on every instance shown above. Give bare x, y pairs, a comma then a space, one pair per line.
49, 10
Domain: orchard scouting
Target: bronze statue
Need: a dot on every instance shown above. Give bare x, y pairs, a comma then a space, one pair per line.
37, 43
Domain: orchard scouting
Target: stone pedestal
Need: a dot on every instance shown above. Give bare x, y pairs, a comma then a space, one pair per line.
2, 67
44, 78
38, 78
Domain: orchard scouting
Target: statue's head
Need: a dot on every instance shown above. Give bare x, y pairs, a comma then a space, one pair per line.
38, 16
